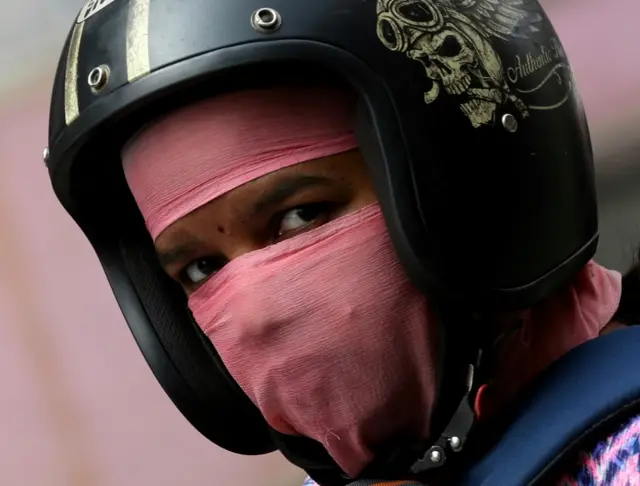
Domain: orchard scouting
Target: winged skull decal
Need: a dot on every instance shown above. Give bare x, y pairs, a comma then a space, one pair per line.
452, 39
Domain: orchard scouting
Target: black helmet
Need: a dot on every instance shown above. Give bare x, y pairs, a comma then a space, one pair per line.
468, 118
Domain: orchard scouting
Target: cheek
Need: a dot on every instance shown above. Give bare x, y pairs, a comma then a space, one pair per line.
358, 179
233, 248
364, 195
369, 195
358, 188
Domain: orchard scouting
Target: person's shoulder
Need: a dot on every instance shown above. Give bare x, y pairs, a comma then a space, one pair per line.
614, 460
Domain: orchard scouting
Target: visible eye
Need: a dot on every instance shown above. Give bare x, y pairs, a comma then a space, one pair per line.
199, 270
302, 217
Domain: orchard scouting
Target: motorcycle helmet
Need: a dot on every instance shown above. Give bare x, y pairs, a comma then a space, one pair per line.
469, 121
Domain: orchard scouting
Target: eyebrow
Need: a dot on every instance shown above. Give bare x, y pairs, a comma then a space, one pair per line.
175, 254
285, 188
280, 192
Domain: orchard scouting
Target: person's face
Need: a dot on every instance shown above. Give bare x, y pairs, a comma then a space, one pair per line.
273, 208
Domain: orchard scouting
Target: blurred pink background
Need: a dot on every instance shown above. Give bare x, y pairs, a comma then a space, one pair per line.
79, 406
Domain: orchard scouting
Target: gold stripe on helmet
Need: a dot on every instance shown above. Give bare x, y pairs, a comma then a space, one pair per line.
138, 62
71, 107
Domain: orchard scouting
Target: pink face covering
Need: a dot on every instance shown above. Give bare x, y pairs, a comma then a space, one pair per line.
323, 332
346, 361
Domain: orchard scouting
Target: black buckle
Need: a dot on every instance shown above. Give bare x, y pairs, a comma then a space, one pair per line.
455, 434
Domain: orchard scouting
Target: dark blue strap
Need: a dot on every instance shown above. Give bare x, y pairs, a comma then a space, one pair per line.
590, 386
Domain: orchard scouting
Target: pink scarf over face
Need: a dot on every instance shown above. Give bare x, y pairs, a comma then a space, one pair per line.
323, 331
196, 154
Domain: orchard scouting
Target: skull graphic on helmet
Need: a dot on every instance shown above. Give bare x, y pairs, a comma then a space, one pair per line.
455, 51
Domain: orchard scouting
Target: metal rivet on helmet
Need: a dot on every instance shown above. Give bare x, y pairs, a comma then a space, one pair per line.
98, 78
509, 122
266, 20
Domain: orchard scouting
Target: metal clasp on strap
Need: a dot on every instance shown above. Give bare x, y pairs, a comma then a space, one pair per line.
455, 434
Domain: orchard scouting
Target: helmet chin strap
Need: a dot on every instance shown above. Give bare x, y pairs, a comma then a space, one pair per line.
455, 434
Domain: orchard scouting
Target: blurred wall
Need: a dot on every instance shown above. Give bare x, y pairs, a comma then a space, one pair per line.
619, 194
78, 405
601, 41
